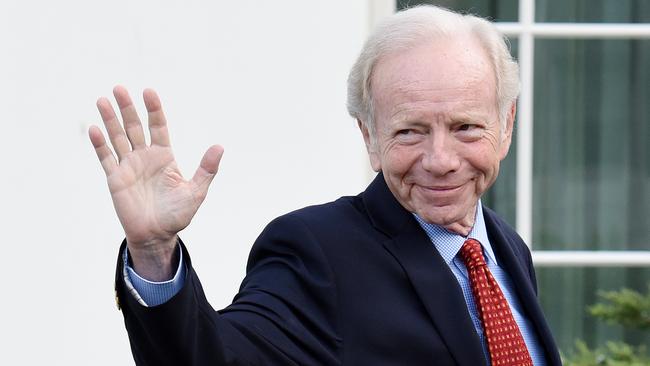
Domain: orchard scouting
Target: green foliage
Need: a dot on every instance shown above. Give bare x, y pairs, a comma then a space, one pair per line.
627, 308
612, 354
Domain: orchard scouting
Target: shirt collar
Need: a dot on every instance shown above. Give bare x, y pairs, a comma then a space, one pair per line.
448, 244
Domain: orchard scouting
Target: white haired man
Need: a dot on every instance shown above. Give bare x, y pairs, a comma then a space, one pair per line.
413, 271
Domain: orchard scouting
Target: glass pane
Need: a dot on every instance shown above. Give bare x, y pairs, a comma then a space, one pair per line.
501, 197
596, 11
591, 171
497, 10
565, 294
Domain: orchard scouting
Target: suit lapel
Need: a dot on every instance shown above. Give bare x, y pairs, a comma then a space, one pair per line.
440, 294
430, 276
514, 264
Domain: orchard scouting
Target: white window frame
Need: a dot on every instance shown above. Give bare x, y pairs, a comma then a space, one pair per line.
526, 30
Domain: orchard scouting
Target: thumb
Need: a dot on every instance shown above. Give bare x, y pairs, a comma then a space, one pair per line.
207, 170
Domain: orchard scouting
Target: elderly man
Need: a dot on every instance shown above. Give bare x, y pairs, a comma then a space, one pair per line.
413, 271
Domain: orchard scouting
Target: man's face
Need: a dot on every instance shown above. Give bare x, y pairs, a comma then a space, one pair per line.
438, 137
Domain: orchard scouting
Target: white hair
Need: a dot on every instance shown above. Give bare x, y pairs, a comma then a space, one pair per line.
409, 28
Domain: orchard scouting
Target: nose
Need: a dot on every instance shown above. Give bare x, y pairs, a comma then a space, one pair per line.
440, 155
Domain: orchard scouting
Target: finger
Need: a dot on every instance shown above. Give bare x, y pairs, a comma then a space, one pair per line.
104, 153
115, 131
207, 171
157, 121
132, 124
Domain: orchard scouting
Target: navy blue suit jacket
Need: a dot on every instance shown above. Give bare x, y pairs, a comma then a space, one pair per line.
352, 282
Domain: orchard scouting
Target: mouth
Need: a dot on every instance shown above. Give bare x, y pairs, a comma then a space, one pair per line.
445, 188
441, 193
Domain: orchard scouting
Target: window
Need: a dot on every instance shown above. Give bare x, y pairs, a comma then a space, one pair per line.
576, 183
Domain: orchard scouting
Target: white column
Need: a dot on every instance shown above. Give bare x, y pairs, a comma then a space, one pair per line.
525, 123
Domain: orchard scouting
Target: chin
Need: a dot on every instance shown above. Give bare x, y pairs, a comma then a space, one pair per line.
441, 217
446, 214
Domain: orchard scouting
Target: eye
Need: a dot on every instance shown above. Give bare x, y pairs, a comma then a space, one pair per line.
469, 131
408, 136
465, 127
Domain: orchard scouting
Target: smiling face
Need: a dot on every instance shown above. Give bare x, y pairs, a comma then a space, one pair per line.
438, 137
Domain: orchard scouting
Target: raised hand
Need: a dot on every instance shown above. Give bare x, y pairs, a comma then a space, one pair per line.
152, 200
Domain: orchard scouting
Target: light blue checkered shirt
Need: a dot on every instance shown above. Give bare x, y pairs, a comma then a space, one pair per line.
149, 293
448, 245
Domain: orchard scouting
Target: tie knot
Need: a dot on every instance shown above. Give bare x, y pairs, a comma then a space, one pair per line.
472, 254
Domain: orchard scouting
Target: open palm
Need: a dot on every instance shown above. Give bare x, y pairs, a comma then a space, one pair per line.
152, 200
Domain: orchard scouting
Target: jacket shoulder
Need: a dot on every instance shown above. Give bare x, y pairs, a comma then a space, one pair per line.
344, 212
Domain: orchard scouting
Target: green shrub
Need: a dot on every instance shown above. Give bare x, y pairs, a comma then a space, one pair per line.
627, 308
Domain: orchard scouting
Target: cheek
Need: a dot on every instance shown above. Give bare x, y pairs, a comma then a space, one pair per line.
484, 159
488, 165
398, 161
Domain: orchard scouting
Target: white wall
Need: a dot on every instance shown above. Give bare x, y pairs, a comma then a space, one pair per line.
266, 79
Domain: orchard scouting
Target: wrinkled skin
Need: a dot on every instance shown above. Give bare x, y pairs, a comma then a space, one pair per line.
438, 138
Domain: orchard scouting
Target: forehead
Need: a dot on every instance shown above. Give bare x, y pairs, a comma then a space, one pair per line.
441, 74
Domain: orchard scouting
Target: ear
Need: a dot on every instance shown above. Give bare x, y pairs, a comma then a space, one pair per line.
506, 136
375, 162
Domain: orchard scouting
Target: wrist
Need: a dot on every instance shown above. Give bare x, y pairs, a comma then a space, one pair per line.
155, 262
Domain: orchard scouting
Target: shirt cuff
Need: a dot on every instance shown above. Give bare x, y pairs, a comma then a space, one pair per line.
149, 293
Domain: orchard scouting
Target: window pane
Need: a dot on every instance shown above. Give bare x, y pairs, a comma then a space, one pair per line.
498, 10
596, 11
501, 197
565, 294
591, 171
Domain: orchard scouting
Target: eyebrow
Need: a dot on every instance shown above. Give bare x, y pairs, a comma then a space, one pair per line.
418, 117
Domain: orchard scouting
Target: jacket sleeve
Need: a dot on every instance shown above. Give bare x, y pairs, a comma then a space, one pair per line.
284, 313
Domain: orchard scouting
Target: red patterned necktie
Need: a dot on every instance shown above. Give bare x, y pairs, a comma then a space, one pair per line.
505, 343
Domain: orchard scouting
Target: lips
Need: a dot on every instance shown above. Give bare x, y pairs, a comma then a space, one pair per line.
442, 188
440, 193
